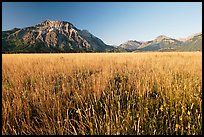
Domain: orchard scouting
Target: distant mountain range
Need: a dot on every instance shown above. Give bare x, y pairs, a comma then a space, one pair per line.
61, 36
164, 43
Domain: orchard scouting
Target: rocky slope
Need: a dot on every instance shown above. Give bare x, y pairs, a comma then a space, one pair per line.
52, 36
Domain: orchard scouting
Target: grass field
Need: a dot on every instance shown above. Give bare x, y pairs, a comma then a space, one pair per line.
102, 93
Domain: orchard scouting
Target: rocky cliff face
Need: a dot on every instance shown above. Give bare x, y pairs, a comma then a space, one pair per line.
52, 36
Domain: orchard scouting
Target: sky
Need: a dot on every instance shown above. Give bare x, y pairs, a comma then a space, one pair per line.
112, 22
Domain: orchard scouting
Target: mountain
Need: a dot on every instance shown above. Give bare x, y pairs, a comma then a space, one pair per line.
161, 43
189, 37
193, 43
130, 45
52, 36
62, 36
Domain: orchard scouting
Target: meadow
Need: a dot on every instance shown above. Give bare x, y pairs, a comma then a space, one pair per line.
150, 93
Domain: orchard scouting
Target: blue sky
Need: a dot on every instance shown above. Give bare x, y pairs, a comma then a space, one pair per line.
113, 22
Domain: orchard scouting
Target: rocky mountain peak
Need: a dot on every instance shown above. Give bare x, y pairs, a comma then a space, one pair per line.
134, 41
55, 24
130, 45
161, 37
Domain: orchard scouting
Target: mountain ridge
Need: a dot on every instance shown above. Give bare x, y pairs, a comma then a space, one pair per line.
62, 36
165, 43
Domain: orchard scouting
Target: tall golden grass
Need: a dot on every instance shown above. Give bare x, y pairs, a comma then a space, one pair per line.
102, 93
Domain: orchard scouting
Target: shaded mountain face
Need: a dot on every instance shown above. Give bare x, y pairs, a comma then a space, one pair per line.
52, 36
96, 43
130, 45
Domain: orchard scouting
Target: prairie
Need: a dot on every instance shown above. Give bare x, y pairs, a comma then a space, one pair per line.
150, 93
